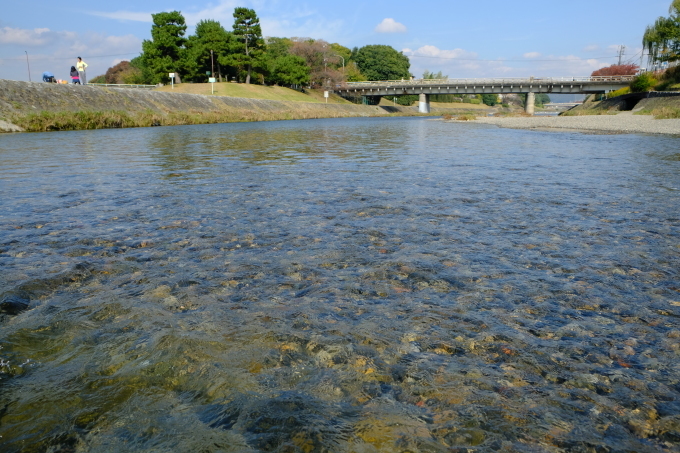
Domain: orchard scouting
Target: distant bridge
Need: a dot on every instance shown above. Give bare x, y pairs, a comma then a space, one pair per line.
530, 86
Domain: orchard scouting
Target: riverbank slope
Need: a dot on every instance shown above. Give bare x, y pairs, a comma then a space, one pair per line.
26, 106
621, 123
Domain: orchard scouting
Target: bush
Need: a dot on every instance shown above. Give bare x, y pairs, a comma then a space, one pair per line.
670, 80
644, 82
621, 92
475, 101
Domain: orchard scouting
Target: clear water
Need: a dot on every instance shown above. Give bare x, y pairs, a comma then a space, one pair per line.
356, 285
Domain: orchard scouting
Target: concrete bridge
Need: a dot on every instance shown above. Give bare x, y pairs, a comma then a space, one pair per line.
529, 86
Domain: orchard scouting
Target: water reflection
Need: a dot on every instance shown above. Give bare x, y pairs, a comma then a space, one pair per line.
339, 285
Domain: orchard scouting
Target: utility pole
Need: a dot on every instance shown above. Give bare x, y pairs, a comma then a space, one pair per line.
29, 66
212, 64
622, 48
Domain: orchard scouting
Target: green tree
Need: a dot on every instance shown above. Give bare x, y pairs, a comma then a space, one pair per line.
432, 75
248, 48
541, 99
490, 99
278, 47
210, 36
643, 83
165, 51
290, 70
380, 62
662, 40
352, 73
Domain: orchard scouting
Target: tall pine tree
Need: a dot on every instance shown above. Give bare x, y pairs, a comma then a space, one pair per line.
164, 53
249, 46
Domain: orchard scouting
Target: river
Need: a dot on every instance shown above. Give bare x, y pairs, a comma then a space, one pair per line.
344, 285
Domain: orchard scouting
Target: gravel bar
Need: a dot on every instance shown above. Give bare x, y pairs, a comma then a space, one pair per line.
622, 123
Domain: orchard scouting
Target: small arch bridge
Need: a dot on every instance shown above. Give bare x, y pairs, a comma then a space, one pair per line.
527, 85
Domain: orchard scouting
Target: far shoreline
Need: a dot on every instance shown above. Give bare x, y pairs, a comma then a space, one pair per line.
621, 123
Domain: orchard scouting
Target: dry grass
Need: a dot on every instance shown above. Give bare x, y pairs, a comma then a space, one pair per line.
662, 113
67, 121
588, 112
466, 117
513, 114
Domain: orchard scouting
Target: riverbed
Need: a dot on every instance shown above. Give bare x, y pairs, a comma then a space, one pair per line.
346, 285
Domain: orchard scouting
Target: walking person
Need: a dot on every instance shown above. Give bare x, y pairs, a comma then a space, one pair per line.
80, 66
75, 76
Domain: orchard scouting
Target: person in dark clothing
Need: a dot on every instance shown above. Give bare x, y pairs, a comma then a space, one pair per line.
75, 76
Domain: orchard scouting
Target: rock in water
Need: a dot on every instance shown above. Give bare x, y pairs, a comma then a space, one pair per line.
14, 303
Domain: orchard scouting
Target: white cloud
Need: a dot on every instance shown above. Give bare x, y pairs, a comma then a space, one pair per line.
531, 55
591, 48
123, 15
35, 37
56, 51
460, 63
389, 25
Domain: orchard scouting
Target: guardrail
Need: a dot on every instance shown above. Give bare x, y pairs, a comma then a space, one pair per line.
503, 81
123, 85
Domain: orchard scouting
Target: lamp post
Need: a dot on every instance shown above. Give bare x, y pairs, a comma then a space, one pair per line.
343, 62
212, 64
29, 66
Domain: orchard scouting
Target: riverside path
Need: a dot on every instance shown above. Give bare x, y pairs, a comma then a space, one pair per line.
528, 85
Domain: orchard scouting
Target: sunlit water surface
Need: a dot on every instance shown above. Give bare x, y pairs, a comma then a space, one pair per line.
363, 285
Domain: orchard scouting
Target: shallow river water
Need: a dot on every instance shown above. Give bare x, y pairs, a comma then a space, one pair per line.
353, 285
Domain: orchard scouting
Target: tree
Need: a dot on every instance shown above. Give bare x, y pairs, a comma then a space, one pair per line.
164, 53
541, 99
662, 40
352, 73
322, 62
290, 70
123, 72
278, 47
490, 99
248, 46
643, 83
380, 62
210, 36
617, 69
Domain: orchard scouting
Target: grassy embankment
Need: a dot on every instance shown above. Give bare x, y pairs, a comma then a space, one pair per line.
88, 108
658, 107
241, 90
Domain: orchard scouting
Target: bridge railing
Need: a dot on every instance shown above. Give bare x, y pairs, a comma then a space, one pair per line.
490, 81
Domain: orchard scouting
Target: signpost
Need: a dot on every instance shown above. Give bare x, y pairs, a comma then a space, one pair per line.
212, 83
172, 79
325, 94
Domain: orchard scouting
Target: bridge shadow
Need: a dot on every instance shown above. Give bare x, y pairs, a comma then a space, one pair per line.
391, 109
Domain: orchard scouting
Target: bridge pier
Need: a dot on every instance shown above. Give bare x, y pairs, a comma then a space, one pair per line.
531, 100
423, 103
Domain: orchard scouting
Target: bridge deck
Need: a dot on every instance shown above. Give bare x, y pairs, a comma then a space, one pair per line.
492, 85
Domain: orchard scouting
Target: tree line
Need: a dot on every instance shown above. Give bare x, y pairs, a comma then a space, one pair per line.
242, 54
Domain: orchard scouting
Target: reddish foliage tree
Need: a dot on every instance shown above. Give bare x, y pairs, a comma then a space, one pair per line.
120, 72
320, 58
616, 69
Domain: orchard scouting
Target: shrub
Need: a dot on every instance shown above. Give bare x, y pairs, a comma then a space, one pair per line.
643, 82
621, 92
467, 116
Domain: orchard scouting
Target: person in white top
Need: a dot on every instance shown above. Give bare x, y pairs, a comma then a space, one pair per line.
80, 66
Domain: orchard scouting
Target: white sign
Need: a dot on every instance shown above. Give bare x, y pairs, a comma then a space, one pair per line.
172, 75
325, 94
211, 80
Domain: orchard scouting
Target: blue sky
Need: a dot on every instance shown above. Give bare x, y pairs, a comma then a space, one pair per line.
483, 38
